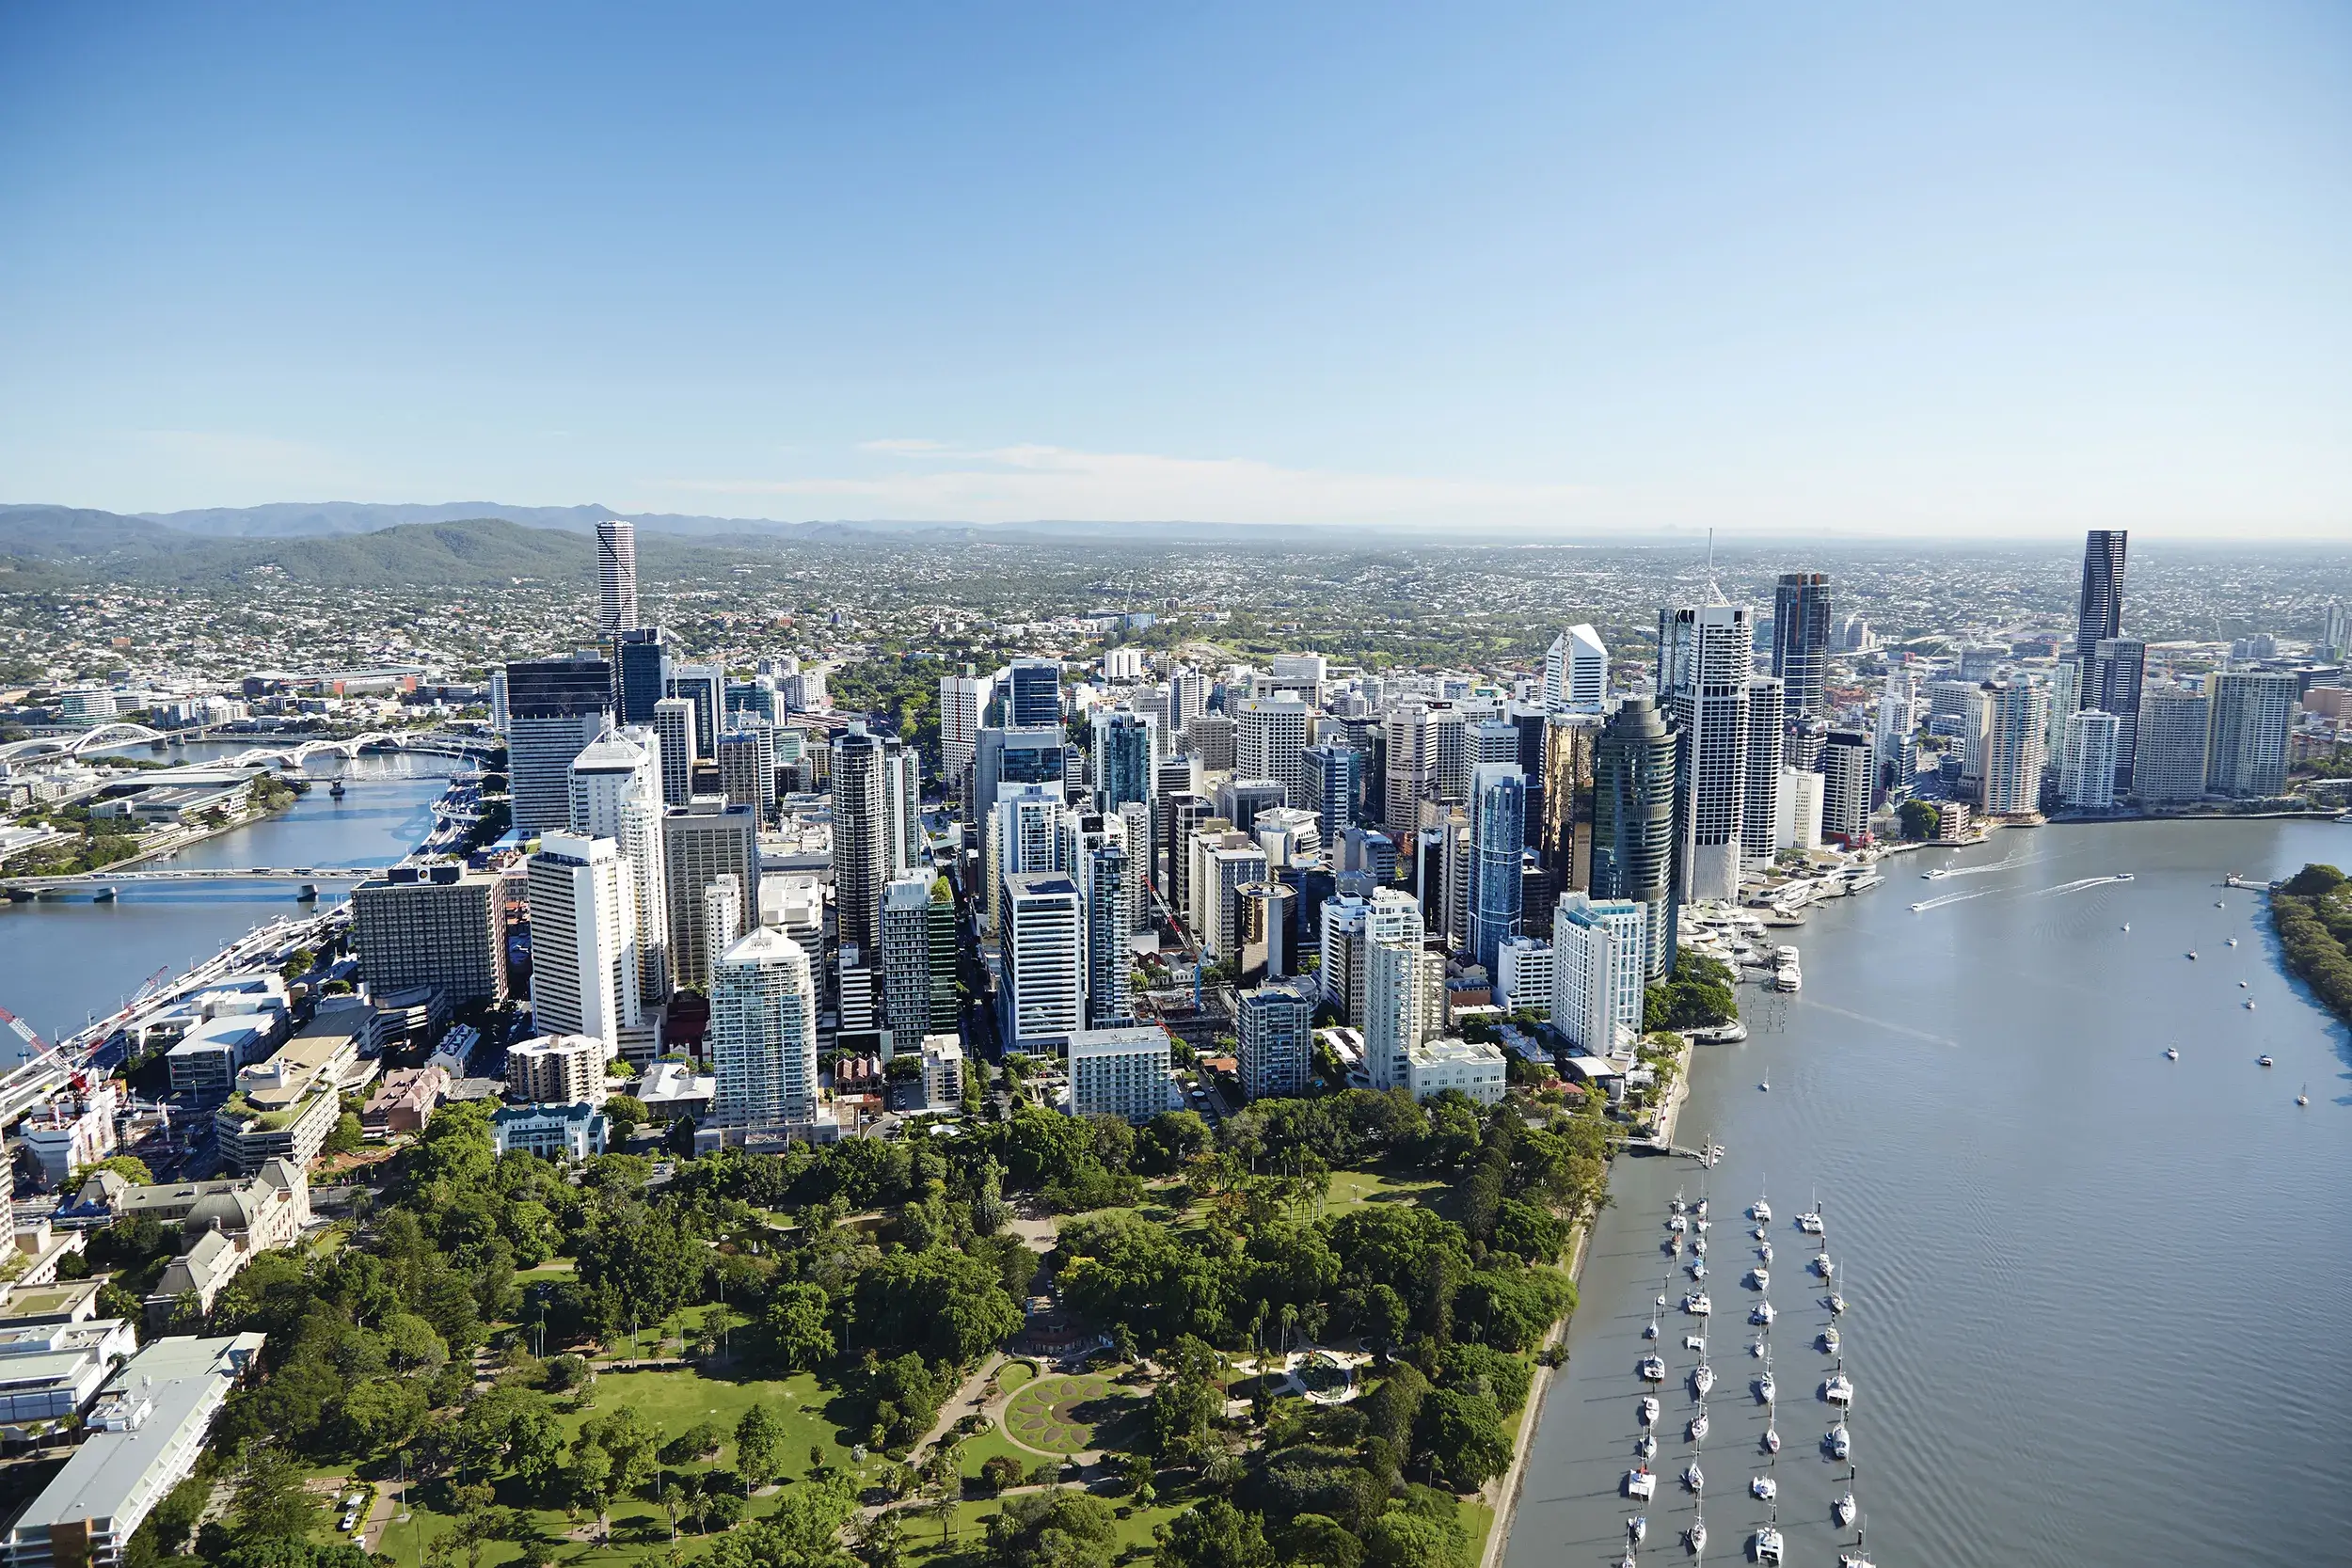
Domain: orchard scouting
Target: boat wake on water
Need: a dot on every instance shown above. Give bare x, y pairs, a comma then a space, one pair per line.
1948, 898
2077, 885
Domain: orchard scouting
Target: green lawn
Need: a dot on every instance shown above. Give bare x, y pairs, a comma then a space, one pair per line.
1350, 1188
1066, 1415
1012, 1374
1135, 1529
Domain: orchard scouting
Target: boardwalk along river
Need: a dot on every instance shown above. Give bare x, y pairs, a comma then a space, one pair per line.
2099, 1303
64, 961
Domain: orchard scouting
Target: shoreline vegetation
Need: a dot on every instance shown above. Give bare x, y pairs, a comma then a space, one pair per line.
2311, 913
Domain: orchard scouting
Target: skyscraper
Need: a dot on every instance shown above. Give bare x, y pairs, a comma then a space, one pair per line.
643, 654
704, 686
1563, 833
1270, 739
1800, 622
556, 707
962, 706
1403, 1002
1033, 754
861, 836
747, 769
1032, 688
2169, 745
673, 722
1703, 653
2111, 685
1759, 813
1333, 778
702, 841
617, 577
497, 699
439, 926
1275, 1028
1576, 672
2249, 714
1126, 757
918, 958
1109, 924
722, 919
1599, 974
1891, 744
1498, 829
763, 1031
616, 794
2101, 611
2087, 778
1634, 824
1849, 774
583, 939
2016, 715
1041, 948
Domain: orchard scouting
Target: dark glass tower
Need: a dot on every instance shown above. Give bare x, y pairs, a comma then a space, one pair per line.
644, 673
1801, 641
2102, 612
1633, 822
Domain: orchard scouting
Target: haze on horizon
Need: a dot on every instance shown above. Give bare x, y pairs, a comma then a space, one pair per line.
2011, 273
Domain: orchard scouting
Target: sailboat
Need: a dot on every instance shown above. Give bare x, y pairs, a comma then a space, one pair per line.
1771, 1438
1810, 1221
1699, 1425
1767, 1082
1697, 1535
1701, 1377
1764, 1546
2303, 1095
1760, 1211
1765, 1389
1635, 1528
1843, 1508
1857, 1558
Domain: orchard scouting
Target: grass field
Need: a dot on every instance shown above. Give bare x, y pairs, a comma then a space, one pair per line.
1350, 1188
1067, 1415
1134, 1530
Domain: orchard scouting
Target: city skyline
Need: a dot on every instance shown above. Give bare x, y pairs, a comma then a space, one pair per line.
1536, 273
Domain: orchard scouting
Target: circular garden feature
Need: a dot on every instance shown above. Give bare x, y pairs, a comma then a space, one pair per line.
1065, 1415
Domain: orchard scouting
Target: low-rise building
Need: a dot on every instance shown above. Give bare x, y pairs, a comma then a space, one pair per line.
222, 1225
285, 1107
574, 1131
50, 1371
211, 1053
675, 1089
1523, 968
1275, 1026
942, 1072
76, 1130
405, 1101
558, 1069
1473, 1068
145, 1432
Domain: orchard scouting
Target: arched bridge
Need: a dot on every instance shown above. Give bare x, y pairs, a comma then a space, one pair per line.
96, 737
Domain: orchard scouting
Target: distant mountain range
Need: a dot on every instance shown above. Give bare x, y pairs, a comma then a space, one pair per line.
466, 542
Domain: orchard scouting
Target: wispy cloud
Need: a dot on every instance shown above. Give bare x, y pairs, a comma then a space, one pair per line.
927, 479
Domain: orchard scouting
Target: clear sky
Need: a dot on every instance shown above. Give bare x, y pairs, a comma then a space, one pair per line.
1819, 268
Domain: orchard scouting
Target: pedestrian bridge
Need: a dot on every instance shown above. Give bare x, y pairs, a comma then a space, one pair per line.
186, 874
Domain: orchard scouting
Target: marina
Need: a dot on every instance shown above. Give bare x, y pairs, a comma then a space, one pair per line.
2028, 1196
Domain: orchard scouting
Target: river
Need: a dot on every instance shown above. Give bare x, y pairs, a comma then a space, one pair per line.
2100, 1303
64, 961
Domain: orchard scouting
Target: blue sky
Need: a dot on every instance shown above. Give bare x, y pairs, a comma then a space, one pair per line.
1814, 269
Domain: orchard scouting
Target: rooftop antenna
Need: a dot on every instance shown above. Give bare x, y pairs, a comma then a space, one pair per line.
1714, 590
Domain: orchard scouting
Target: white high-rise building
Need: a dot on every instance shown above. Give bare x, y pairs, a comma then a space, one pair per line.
1597, 973
1350, 926
583, 939
2015, 717
1109, 925
497, 699
1041, 947
2086, 774
617, 577
2169, 745
701, 842
1760, 818
1576, 672
963, 705
2248, 715
763, 1031
674, 722
1848, 771
1704, 652
1031, 829
1797, 811
1270, 740
616, 794
721, 918
1274, 1028
1404, 1006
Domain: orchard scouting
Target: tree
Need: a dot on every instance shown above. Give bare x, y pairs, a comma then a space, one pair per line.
1919, 819
1052, 1529
348, 1137
130, 1167
271, 1503
1213, 1534
1402, 1539
797, 1326
1462, 1435
1319, 1541
756, 1439
624, 1114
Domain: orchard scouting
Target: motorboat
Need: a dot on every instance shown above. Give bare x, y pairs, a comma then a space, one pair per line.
2219, 905
1699, 1226
1771, 1438
1673, 1246
2234, 941
1822, 1266
1917, 908
1699, 1244
1759, 1233
2241, 984
1635, 1528
1810, 1221
1761, 1278
1677, 1223
1653, 1369
1762, 1314
1699, 1425
1840, 1441
2264, 1061
1692, 1477
1698, 1210
1702, 1379
2127, 925
1647, 1409
2192, 954
1651, 1331
2123, 876
1764, 1488
1697, 1305
1697, 1535
1838, 1389
2249, 1003
2171, 1053
1758, 1349
1677, 1205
